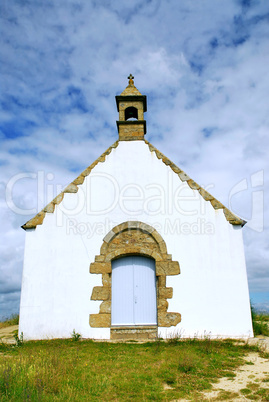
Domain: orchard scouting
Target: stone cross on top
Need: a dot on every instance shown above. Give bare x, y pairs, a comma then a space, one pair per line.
130, 78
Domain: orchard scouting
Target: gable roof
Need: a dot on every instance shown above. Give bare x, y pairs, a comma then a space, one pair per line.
73, 188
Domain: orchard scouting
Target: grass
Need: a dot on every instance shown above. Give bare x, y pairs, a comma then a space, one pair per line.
56, 370
260, 323
59, 370
13, 320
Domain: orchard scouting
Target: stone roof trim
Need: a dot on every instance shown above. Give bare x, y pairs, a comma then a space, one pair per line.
230, 216
71, 188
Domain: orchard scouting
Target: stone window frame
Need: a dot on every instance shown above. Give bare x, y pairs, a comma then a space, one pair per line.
163, 262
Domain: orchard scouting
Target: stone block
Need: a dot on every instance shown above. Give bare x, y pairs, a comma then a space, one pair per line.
193, 185
167, 268
175, 168
100, 268
168, 319
183, 176
146, 228
162, 305
151, 147
105, 307
99, 258
57, 200
37, 220
94, 164
216, 204
205, 194
165, 293
159, 154
115, 144
50, 208
101, 293
106, 280
79, 180
166, 161
173, 268
158, 238
157, 256
100, 320
232, 218
161, 267
162, 247
71, 188
109, 236
102, 158
87, 171
133, 225
162, 281
103, 249
135, 333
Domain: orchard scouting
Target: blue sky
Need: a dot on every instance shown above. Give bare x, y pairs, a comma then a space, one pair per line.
204, 68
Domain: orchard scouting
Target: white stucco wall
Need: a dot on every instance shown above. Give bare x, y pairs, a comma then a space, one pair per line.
211, 293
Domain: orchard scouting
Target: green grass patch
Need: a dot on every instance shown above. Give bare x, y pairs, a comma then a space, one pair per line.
86, 370
260, 323
255, 392
245, 391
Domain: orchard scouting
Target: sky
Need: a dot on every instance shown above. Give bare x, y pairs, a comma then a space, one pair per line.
204, 68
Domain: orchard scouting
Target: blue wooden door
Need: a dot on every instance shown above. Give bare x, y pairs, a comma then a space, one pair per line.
133, 291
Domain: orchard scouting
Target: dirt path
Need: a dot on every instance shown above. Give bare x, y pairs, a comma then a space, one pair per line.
251, 381
6, 334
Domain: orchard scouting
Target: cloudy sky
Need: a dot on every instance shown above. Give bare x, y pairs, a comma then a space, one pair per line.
204, 68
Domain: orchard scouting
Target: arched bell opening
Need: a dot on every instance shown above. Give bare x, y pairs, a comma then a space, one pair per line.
131, 113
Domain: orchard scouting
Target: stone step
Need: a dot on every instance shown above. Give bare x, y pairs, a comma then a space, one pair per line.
140, 333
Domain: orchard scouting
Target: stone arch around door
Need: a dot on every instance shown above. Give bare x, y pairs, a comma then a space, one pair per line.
133, 238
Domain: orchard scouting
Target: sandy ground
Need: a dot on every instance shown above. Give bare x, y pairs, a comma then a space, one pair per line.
251, 375
6, 334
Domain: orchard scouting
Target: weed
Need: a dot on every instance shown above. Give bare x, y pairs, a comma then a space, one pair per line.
266, 379
187, 362
75, 336
174, 338
246, 391
230, 375
227, 395
18, 339
263, 393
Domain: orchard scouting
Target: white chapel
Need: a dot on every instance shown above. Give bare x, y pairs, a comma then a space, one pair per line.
133, 248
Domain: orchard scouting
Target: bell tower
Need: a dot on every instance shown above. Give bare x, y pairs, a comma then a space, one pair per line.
131, 105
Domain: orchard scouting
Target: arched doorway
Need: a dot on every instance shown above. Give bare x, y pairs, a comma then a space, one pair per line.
133, 297
133, 238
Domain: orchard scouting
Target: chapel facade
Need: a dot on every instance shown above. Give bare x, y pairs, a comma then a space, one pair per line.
134, 248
